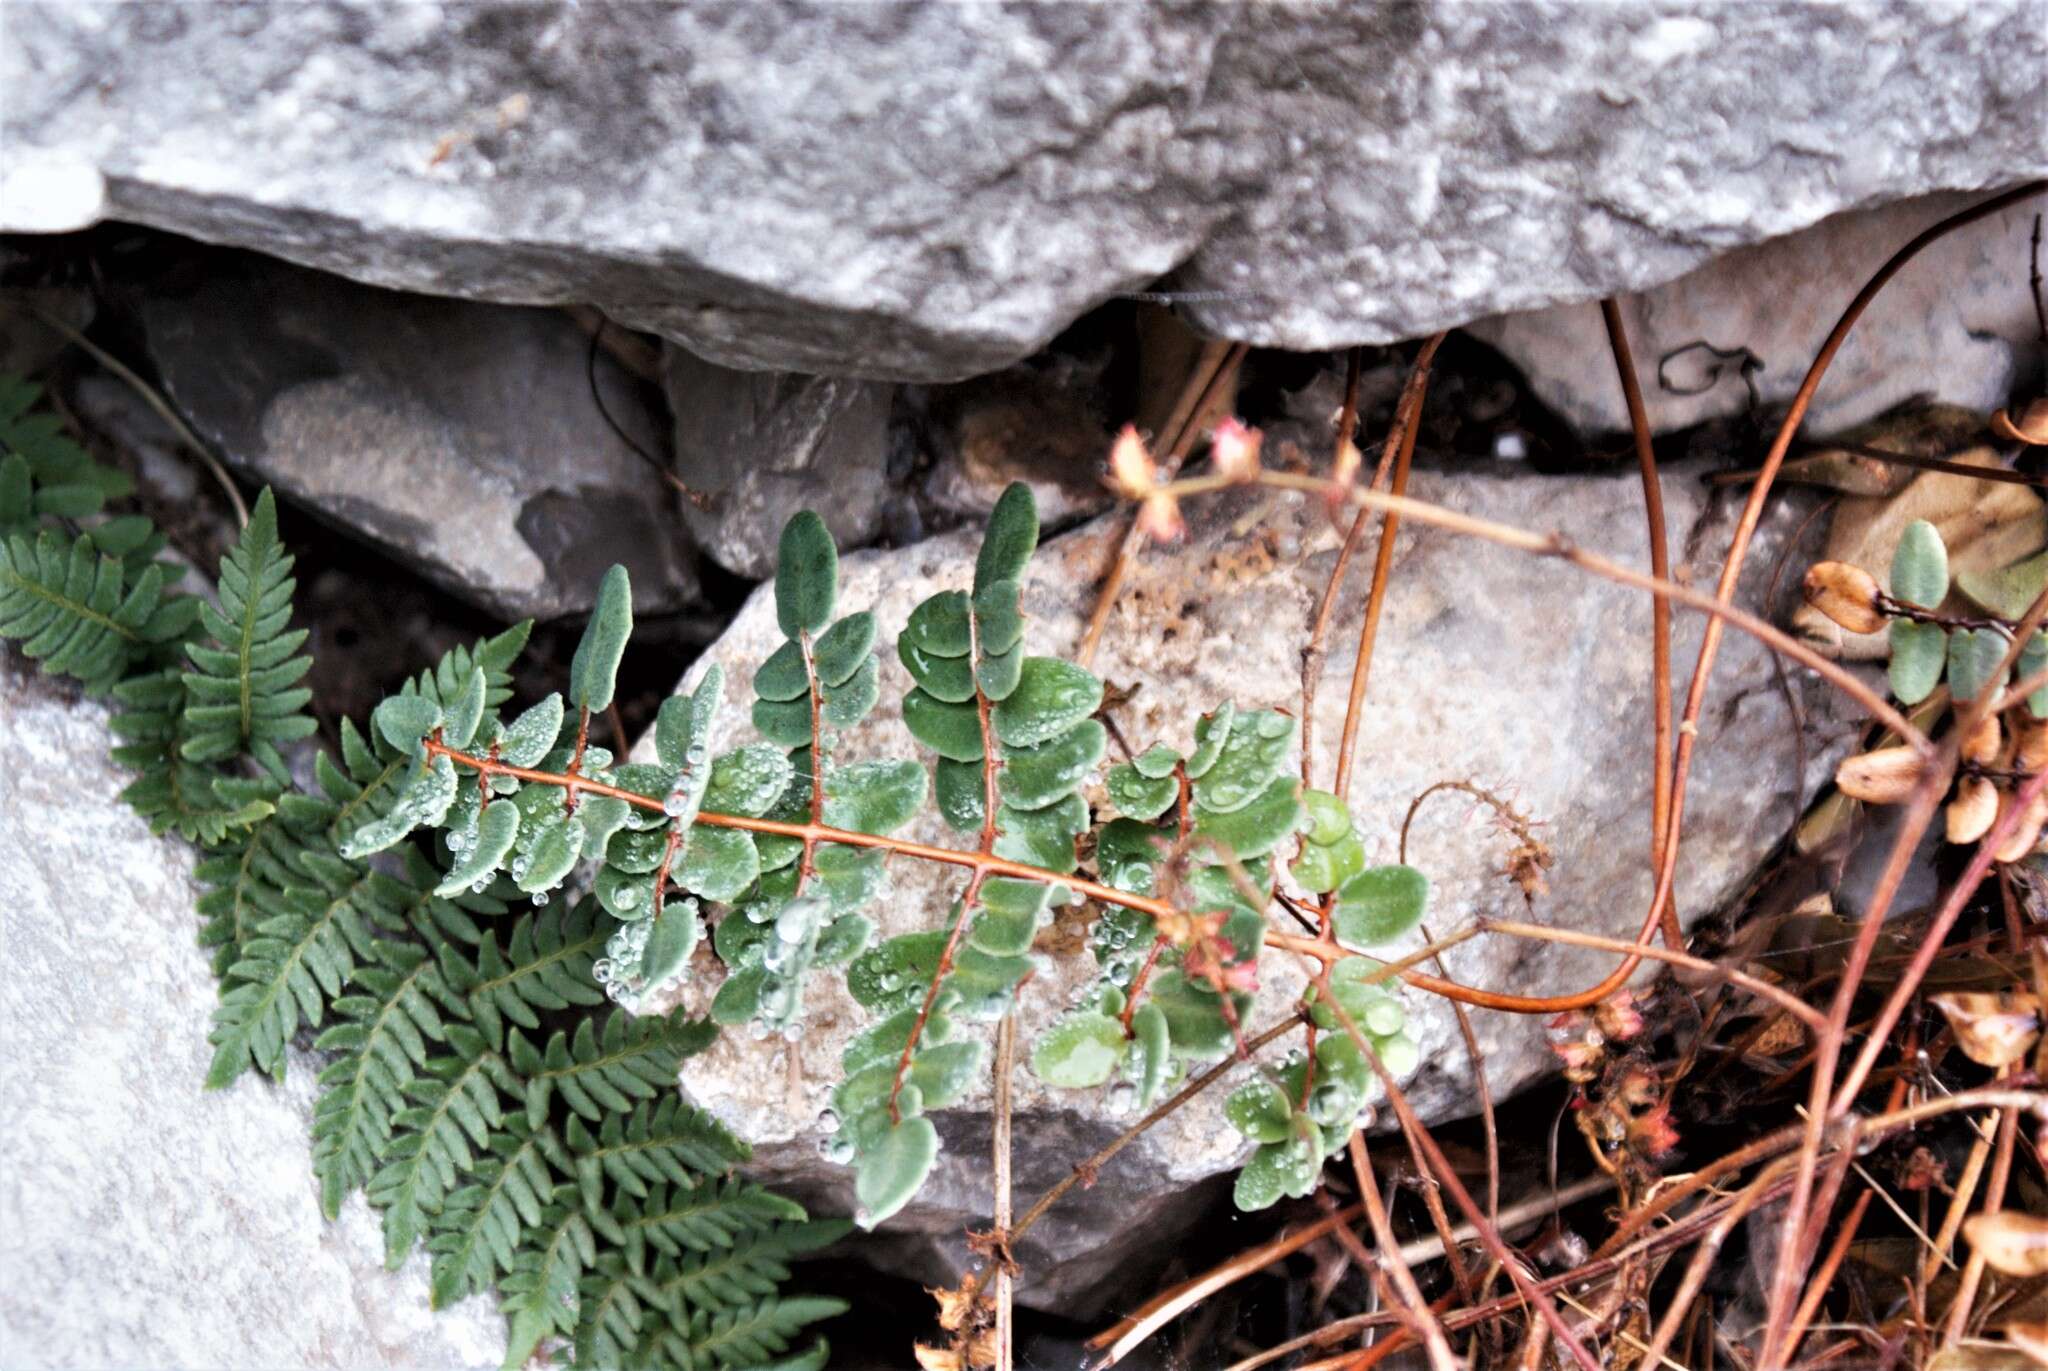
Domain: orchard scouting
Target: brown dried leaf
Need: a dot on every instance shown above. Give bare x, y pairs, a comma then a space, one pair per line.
2011, 1242
1972, 811
1993, 1029
1884, 777
2024, 834
938, 1358
1846, 594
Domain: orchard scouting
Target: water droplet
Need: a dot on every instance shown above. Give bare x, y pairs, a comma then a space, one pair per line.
828, 1122
540, 897
626, 897
675, 805
1123, 1098
758, 1030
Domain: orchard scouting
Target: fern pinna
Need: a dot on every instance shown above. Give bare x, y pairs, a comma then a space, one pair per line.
475, 1088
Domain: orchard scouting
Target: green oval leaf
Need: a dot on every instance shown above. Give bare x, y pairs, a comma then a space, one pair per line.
782, 677
1212, 731
594, 671
1011, 538
1138, 796
532, 735
556, 845
943, 678
1919, 655
998, 618
1974, 656
951, 730
998, 675
1035, 777
958, 788
1251, 757
1154, 1052
670, 942
496, 827
1920, 566
1260, 1111
719, 863
1329, 819
844, 647
463, 713
939, 627
1051, 697
1042, 837
806, 575
403, 720
874, 797
2033, 657
892, 1170
1080, 1051
1260, 825
1379, 904
847, 703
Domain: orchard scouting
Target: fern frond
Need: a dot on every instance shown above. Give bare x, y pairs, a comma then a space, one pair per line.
298, 959
72, 609
243, 691
707, 1216
670, 1142
479, 1228
43, 473
745, 1336
754, 1265
383, 1040
541, 1293
632, 1059
453, 1109
546, 966
615, 1310
174, 795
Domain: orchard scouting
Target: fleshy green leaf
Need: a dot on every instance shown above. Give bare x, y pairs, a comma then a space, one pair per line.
1259, 826
1919, 654
1035, 777
1051, 698
1260, 1111
806, 576
1155, 1053
1080, 1051
1139, 796
1973, 656
532, 735
844, 648
1379, 904
892, 1170
497, 826
951, 730
1920, 566
1011, 538
593, 673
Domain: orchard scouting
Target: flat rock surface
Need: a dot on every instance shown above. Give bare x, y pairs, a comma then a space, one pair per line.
1957, 324
921, 190
145, 1222
464, 439
1527, 676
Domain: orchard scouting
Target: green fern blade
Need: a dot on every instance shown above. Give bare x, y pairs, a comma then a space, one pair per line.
541, 1292
479, 1228
454, 1108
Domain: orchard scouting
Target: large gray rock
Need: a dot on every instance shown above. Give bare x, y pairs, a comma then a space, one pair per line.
462, 438
917, 189
149, 1222
759, 446
1958, 324
1525, 675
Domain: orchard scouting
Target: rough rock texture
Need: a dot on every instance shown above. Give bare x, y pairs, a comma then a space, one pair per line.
1957, 324
921, 190
1526, 676
461, 437
148, 1222
759, 446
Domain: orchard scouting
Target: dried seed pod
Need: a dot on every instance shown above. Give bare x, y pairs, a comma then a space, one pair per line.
2020, 841
2032, 753
2030, 427
1981, 746
1847, 594
2011, 1242
2030, 1338
1884, 777
1973, 810
1992, 1029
